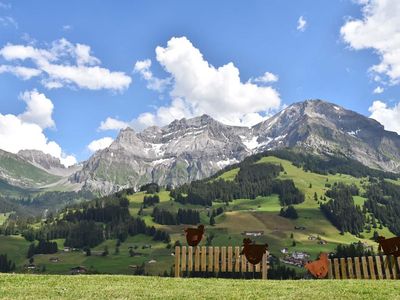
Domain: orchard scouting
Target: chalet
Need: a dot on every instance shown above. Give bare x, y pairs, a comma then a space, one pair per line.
78, 270
322, 242
285, 250
54, 259
312, 237
153, 261
67, 249
253, 233
300, 255
299, 228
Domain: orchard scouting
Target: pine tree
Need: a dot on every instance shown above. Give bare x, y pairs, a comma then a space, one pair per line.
212, 221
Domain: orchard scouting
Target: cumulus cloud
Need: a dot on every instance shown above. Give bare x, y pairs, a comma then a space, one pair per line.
39, 109
100, 144
23, 73
153, 83
378, 90
268, 77
378, 29
301, 24
113, 124
25, 131
389, 117
197, 87
66, 64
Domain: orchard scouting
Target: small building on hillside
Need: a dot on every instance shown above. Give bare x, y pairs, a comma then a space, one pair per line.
285, 250
54, 259
78, 270
255, 233
153, 261
300, 255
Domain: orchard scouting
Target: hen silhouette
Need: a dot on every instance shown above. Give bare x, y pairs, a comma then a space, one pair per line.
389, 246
194, 235
253, 252
319, 268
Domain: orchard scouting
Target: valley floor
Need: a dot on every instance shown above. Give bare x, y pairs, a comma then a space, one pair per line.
139, 287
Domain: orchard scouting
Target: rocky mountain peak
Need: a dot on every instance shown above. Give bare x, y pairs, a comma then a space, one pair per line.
41, 159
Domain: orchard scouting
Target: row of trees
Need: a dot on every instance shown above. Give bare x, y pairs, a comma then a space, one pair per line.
43, 247
6, 265
251, 181
90, 223
184, 216
383, 200
342, 212
150, 200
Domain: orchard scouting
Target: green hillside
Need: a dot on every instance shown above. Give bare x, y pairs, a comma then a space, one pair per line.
239, 215
22, 174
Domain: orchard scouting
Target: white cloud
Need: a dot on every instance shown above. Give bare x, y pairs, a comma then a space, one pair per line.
153, 83
67, 27
378, 29
25, 131
200, 88
66, 64
100, 144
268, 77
39, 109
389, 117
113, 124
378, 90
21, 72
8, 21
301, 24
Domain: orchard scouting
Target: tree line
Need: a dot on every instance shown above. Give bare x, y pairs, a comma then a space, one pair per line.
383, 200
184, 216
251, 181
6, 265
341, 211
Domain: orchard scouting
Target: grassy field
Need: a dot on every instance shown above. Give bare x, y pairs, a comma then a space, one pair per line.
135, 287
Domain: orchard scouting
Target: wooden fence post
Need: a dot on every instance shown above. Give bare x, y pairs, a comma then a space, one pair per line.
177, 260
190, 259
197, 259
264, 268
364, 267
237, 259
229, 259
371, 267
183, 264
350, 267
330, 272
210, 259
203, 258
223, 259
379, 267
357, 267
336, 268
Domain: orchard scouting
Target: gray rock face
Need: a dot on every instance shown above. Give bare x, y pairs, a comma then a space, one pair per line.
46, 162
190, 149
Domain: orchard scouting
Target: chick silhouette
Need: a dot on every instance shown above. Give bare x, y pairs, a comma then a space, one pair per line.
253, 252
194, 235
319, 268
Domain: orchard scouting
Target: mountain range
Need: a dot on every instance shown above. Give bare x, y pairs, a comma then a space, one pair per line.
191, 149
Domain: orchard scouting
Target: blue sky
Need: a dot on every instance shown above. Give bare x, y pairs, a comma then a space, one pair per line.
72, 63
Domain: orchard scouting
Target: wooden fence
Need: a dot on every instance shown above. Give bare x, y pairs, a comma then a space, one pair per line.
370, 267
216, 259
228, 259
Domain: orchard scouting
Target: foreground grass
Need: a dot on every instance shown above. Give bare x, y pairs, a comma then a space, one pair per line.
135, 287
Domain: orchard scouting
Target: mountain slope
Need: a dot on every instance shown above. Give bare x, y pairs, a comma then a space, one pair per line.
192, 149
324, 128
18, 172
183, 151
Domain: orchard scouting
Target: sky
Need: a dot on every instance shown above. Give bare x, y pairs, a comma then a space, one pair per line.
73, 73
